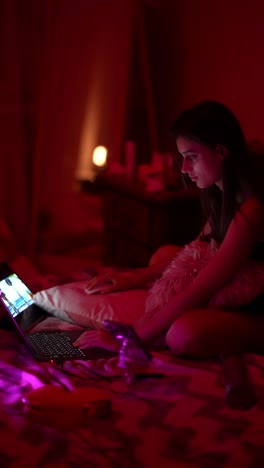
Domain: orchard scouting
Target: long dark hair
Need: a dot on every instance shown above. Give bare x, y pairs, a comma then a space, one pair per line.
212, 123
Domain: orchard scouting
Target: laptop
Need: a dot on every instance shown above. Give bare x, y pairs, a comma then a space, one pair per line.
48, 346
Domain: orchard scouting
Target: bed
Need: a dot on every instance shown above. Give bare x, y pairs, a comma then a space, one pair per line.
179, 420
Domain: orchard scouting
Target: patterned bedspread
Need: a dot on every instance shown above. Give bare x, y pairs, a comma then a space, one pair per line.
176, 421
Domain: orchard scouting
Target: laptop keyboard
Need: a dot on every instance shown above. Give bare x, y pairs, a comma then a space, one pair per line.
54, 345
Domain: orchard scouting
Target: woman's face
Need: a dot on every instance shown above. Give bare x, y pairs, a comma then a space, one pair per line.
203, 164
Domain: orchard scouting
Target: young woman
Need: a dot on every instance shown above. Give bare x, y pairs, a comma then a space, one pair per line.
215, 156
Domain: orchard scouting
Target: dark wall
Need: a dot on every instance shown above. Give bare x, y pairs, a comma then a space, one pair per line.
208, 50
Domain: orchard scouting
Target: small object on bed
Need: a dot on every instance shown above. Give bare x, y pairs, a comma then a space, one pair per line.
133, 356
128, 340
240, 394
149, 375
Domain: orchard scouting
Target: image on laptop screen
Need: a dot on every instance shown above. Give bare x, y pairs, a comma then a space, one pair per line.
25, 314
15, 294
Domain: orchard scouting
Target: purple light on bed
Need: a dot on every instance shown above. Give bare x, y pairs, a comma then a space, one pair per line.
120, 337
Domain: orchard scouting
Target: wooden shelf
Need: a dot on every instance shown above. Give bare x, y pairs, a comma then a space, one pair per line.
137, 222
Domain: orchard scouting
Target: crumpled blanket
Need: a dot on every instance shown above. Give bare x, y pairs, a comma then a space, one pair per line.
178, 420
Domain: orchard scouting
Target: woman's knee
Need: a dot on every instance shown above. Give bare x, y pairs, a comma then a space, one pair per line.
207, 333
189, 335
182, 338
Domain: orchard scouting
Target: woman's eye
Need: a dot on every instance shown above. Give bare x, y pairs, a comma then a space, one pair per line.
191, 158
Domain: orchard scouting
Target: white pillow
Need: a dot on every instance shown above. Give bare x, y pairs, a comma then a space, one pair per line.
71, 303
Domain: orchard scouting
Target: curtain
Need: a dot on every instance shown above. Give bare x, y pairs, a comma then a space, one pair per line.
25, 40
14, 190
64, 71
42, 94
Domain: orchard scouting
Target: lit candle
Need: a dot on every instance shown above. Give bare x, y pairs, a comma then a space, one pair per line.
100, 156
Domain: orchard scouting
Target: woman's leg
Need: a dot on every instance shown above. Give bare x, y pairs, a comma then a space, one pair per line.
208, 333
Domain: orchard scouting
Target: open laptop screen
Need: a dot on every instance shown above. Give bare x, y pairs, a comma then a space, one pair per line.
15, 294
17, 298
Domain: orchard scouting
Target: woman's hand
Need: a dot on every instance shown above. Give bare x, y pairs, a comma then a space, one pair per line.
136, 278
114, 281
96, 338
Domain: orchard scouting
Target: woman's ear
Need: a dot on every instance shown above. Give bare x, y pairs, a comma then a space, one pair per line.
222, 151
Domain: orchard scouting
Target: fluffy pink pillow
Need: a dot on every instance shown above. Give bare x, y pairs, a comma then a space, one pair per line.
245, 286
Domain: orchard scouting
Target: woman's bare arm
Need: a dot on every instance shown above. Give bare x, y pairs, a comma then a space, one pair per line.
244, 231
